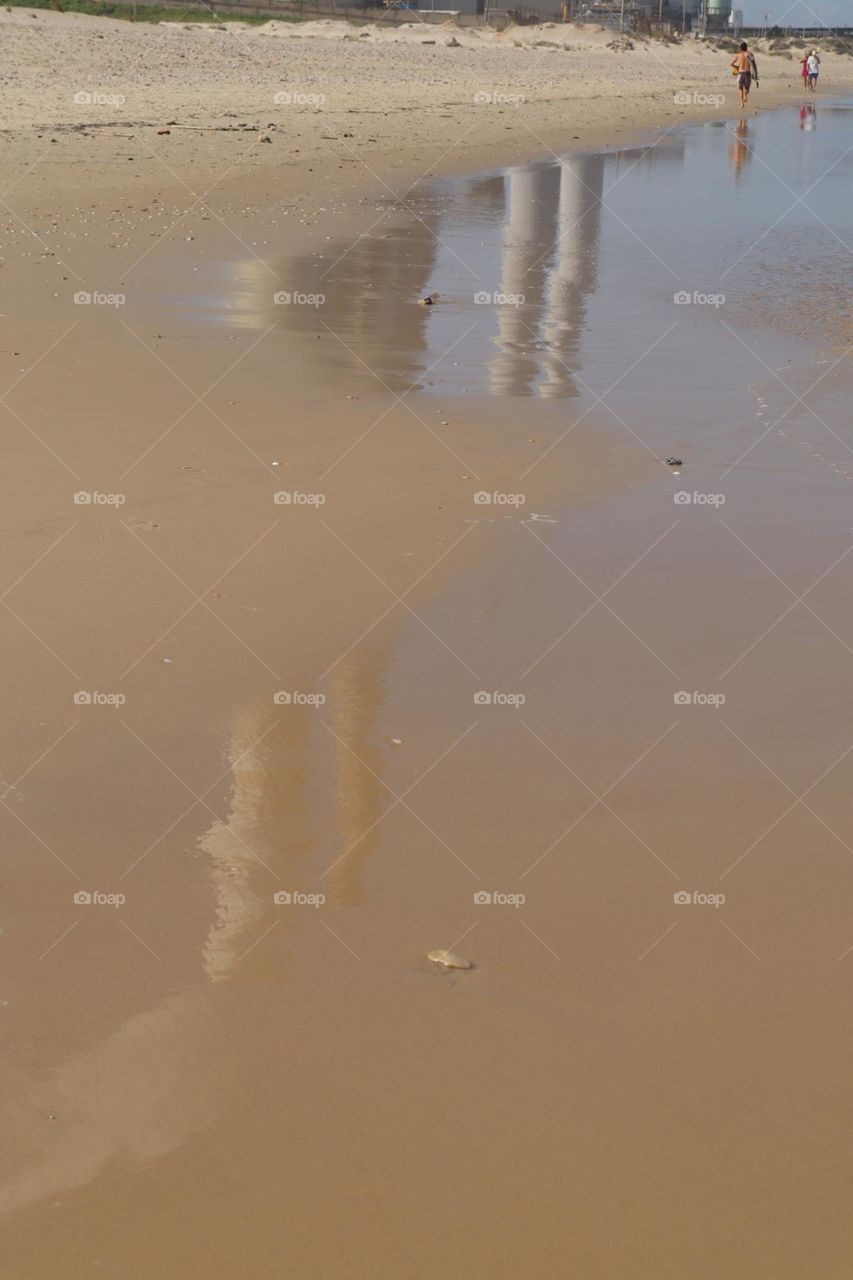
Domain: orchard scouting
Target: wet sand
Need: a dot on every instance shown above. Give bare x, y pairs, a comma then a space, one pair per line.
206, 1081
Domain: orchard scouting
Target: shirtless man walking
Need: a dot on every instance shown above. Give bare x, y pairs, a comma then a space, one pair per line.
747, 70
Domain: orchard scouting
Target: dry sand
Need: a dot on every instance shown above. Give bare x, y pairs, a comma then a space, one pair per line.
199, 1082
400, 99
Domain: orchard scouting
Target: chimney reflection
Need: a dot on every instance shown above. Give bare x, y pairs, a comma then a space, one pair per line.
549, 258
573, 272
529, 230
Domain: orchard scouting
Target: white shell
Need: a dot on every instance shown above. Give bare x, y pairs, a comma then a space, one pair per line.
449, 960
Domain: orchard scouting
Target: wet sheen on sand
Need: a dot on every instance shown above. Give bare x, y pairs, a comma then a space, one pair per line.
602, 750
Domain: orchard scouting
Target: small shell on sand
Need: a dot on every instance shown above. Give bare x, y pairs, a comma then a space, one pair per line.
449, 960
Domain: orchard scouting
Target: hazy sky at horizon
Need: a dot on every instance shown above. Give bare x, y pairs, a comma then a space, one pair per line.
785, 13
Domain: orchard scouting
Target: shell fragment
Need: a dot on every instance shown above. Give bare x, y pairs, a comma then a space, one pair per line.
449, 960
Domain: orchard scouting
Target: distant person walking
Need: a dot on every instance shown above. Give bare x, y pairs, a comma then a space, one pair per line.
804, 70
814, 70
746, 69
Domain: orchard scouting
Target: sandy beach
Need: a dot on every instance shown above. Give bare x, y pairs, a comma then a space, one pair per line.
342, 626
336, 102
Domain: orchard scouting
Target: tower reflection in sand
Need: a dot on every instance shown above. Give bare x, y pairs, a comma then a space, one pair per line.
513, 259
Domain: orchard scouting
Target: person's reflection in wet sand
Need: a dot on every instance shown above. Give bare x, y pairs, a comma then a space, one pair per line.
358, 691
266, 837
164, 1073
141, 1091
267, 841
739, 150
808, 116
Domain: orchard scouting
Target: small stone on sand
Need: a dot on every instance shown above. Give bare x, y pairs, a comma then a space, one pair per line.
449, 960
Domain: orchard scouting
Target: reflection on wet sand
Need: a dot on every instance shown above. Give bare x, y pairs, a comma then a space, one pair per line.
808, 116
370, 292
267, 830
528, 233
548, 258
739, 150
358, 695
163, 1074
271, 838
526, 341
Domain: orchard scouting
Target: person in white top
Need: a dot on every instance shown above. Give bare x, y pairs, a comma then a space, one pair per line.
814, 70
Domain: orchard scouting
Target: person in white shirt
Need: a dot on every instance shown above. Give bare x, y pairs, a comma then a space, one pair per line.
814, 70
